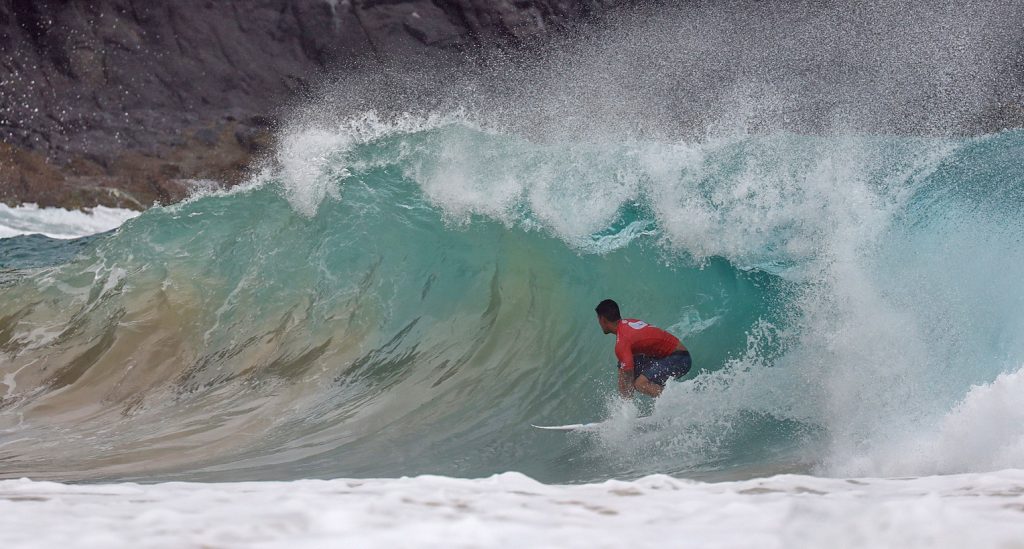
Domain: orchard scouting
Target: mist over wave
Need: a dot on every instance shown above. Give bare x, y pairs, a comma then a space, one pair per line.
409, 282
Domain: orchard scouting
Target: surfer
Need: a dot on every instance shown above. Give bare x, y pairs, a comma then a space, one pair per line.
648, 356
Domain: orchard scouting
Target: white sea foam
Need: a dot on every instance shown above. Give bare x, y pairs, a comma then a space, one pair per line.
984, 431
314, 160
58, 222
976, 510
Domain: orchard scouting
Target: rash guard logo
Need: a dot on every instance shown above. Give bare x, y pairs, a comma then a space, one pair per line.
637, 324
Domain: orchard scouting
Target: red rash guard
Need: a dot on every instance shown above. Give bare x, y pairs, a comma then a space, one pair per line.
636, 337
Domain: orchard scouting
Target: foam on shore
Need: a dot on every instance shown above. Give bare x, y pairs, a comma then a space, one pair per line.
976, 510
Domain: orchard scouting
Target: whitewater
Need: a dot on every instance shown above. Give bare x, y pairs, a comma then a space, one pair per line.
353, 345
59, 223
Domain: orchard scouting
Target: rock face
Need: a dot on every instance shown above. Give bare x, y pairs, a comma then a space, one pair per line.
127, 102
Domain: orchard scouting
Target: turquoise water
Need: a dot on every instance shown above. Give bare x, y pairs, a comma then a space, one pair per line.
409, 297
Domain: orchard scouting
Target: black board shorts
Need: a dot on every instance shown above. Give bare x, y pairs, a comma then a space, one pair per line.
658, 370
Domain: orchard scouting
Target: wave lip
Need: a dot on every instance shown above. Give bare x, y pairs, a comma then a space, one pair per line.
58, 222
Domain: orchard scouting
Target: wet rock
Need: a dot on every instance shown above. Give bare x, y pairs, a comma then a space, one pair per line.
129, 96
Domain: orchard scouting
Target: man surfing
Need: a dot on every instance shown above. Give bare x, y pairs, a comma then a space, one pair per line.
648, 356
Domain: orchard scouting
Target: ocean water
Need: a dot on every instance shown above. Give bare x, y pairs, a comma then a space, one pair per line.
410, 300
403, 298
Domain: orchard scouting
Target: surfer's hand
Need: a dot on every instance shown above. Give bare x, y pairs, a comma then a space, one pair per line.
626, 384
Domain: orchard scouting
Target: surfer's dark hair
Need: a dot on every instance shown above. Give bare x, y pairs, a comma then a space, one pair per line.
608, 310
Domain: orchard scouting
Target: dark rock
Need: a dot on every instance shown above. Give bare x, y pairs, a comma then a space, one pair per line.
254, 139
431, 25
206, 136
127, 96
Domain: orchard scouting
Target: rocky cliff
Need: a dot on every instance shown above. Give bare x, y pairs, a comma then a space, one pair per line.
127, 102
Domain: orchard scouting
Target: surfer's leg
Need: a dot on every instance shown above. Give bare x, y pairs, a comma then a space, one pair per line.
681, 362
646, 386
658, 370
646, 367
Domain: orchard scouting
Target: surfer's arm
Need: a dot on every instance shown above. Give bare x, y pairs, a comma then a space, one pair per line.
625, 383
625, 356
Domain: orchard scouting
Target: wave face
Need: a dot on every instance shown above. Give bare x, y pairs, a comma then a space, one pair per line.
407, 296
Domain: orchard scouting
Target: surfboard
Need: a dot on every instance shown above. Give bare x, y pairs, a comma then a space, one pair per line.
570, 427
640, 423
